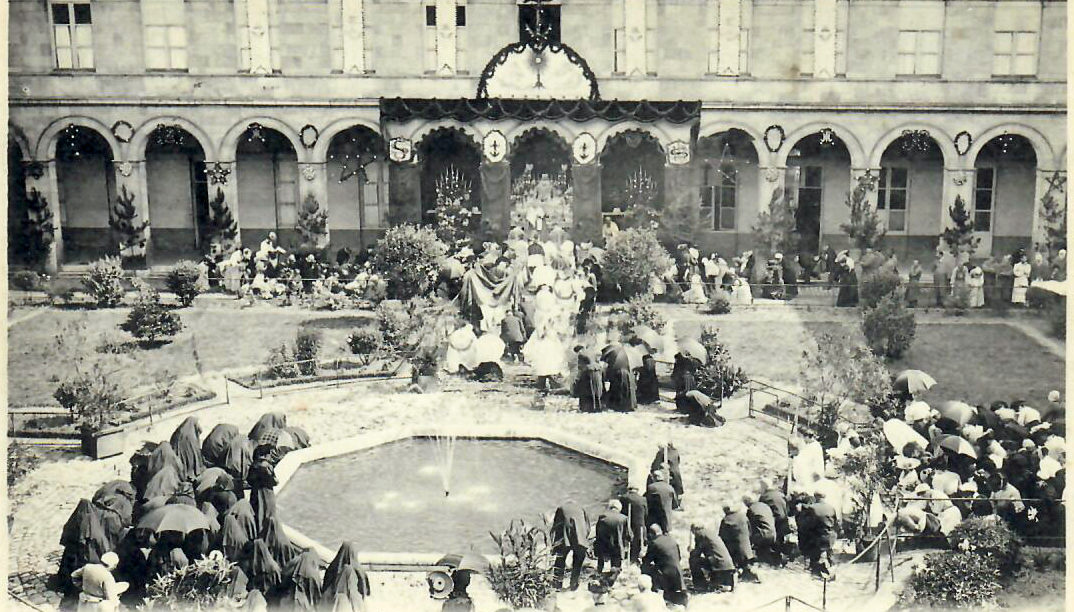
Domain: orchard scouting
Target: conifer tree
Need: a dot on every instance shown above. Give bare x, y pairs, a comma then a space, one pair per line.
865, 229
1053, 215
37, 231
129, 232
774, 229
312, 222
221, 227
959, 237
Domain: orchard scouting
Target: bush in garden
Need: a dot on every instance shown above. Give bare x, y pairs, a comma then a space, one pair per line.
991, 537
182, 280
28, 280
149, 321
408, 258
393, 321
718, 377
889, 328
632, 259
522, 576
203, 584
638, 310
877, 286
958, 302
103, 282
307, 347
952, 579
719, 303
92, 396
281, 363
365, 341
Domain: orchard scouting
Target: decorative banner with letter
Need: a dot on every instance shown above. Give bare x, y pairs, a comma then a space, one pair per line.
400, 150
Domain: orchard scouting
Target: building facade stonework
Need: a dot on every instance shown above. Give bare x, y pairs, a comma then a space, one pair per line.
359, 103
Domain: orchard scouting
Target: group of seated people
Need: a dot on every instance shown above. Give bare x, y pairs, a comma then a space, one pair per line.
1007, 461
117, 545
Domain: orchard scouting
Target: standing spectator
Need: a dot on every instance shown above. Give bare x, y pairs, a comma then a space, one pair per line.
988, 267
1005, 282
1021, 272
634, 506
941, 273
613, 536
570, 528
667, 459
513, 334
976, 284
913, 286
660, 499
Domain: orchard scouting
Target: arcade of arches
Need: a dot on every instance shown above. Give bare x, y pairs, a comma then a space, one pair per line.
729, 177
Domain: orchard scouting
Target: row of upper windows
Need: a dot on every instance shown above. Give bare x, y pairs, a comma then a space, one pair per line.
1016, 41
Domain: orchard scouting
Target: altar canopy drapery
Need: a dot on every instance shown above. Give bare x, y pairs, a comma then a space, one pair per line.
494, 295
398, 110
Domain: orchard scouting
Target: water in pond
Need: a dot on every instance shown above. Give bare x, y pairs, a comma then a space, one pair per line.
391, 498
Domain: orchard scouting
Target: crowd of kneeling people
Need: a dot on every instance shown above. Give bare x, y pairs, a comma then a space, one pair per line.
113, 551
635, 528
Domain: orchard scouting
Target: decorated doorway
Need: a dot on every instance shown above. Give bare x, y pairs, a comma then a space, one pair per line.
542, 199
632, 178
450, 169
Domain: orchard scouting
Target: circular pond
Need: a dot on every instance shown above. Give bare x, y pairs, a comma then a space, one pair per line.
391, 498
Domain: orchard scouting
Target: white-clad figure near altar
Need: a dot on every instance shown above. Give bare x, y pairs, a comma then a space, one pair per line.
566, 253
545, 309
543, 274
566, 300
557, 235
461, 349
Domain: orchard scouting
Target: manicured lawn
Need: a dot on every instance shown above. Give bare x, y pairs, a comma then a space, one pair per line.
769, 350
977, 362
212, 339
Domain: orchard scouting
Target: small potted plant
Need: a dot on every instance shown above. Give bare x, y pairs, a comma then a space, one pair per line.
426, 365
95, 405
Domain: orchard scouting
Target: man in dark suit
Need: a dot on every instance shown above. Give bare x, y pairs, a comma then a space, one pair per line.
660, 499
735, 533
820, 524
570, 530
667, 458
711, 566
762, 530
777, 502
634, 506
661, 562
612, 537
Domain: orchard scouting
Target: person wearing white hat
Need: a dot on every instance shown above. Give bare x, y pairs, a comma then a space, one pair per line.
100, 591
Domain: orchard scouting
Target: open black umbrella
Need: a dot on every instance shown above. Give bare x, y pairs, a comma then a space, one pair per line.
465, 562
174, 517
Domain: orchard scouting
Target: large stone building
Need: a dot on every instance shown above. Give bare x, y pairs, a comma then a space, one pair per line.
362, 104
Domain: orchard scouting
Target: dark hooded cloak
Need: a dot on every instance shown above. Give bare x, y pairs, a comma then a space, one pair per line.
215, 445
269, 420
186, 442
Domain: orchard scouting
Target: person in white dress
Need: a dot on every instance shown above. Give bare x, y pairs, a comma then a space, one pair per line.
1022, 270
696, 293
976, 284
461, 349
740, 292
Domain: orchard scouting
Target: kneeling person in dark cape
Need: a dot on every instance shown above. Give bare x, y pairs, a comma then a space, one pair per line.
700, 410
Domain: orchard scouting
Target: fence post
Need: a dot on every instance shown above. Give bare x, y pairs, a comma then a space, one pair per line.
824, 596
877, 588
227, 391
260, 389
750, 412
787, 603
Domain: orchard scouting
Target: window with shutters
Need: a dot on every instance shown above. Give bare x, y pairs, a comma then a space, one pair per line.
893, 197
984, 194
1016, 39
72, 35
165, 34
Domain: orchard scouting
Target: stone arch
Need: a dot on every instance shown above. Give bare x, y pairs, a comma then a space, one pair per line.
46, 144
16, 135
145, 130
229, 145
1045, 155
559, 132
943, 140
661, 137
542, 148
851, 142
319, 153
756, 138
464, 155
425, 130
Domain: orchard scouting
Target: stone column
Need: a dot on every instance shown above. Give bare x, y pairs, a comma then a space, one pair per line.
682, 203
221, 176
1050, 184
771, 179
587, 202
41, 176
496, 197
446, 43
130, 176
404, 192
872, 176
313, 182
957, 182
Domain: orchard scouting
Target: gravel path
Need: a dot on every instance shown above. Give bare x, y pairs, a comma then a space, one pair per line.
717, 464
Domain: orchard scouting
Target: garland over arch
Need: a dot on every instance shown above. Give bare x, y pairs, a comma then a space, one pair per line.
399, 110
538, 44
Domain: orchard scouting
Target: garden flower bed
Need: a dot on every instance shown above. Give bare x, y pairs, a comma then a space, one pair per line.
61, 424
326, 371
